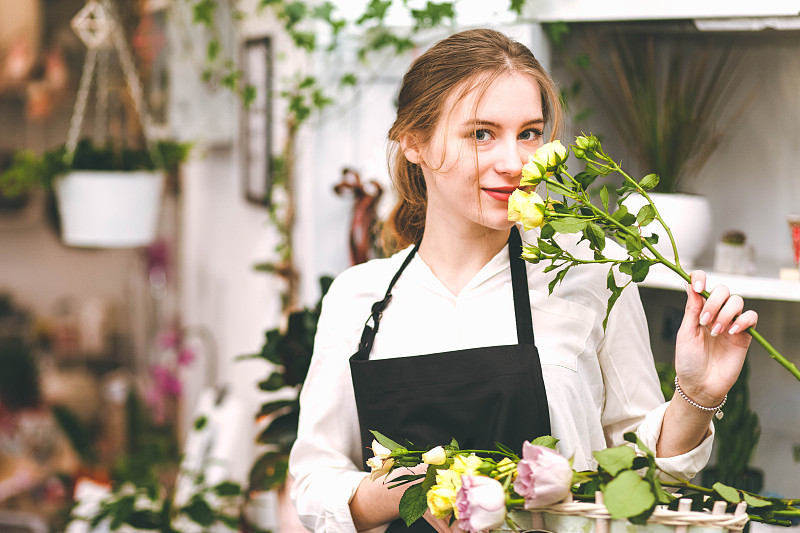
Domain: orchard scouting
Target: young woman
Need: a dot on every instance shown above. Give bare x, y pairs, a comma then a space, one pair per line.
461, 338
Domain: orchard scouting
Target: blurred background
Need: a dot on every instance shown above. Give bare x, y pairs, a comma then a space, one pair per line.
165, 350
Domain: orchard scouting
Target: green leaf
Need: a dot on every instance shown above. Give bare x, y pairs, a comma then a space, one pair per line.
730, 494
614, 460
755, 501
549, 248
640, 269
640, 462
547, 231
547, 441
122, 510
282, 431
203, 12
559, 277
213, 49
585, 179
200, 511
628, 495
200, 422
433, 14
348, 79
595, 235
273, 382
652, 239
269, 408
386, 441
615, 293
248, 95
649, 181
568, 225
516, 6
228, 488
557, 188
604, 196
269, 471
646, 215
633, 244
413, 504
503, 448
626, 267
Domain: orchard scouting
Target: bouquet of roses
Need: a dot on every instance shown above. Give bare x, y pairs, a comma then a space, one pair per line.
477, 489
596, 221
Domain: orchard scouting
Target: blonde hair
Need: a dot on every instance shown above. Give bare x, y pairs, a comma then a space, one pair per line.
463, 60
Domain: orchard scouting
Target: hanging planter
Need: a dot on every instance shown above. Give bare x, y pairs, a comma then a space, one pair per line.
108, 196
109, 209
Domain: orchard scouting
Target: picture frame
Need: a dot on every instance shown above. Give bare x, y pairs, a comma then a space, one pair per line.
256, 135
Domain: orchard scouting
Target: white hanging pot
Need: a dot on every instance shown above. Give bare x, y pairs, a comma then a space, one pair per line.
689, 219
109, 209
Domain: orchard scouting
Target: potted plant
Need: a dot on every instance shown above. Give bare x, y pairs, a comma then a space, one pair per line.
108, 195
736, 440
666, 96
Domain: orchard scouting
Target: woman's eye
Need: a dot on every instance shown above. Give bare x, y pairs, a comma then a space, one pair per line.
530, 135
481, 135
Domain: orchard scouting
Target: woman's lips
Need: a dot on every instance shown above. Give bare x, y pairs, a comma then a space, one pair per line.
499, 193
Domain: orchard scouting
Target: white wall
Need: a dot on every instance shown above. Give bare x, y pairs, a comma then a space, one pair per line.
752, 181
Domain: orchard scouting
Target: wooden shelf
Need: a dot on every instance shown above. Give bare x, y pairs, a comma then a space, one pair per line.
762, 286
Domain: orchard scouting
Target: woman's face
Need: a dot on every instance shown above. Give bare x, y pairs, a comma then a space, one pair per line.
474, 160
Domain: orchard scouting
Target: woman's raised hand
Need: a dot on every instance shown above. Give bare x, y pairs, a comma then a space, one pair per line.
711, 343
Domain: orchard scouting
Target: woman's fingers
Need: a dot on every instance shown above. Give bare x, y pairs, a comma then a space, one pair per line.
721, 311
745, 320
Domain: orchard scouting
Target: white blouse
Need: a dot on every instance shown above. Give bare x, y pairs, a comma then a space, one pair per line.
600, 384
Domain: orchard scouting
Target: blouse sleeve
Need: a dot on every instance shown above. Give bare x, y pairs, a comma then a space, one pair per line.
324, 461
633, 398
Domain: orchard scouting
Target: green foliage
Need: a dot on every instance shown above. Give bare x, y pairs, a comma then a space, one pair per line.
666, 95
28, 171
739, 431
19, 378
628, 477
140, 499
289, 352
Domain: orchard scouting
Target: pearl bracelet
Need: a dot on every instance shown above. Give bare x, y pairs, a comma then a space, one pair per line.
718, 408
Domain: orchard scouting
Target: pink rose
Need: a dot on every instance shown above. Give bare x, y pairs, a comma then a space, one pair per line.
544, 477
480, 504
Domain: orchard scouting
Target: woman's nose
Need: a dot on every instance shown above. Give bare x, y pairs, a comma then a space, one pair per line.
510, 158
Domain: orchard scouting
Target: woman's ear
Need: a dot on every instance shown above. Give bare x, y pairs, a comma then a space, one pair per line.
411, 148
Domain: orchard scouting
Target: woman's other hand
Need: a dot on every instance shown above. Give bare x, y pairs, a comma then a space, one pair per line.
711, 343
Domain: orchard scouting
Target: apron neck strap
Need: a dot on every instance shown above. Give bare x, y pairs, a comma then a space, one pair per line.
368, 335
519, 284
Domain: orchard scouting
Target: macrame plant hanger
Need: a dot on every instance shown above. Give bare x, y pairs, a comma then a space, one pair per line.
94, 25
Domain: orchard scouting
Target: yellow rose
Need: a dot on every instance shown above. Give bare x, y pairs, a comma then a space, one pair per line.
448, 478
526, 207
434, 456
466, 464
532, 172
441, 500
551, 155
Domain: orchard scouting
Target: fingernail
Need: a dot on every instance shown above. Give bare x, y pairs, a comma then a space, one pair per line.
698, 286
705, 319
734, 330
716, 329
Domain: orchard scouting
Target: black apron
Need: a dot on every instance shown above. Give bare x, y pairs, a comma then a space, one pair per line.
478, 396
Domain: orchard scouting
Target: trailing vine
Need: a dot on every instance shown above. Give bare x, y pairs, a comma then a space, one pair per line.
305, 95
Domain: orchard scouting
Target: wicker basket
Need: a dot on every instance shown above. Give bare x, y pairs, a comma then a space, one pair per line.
587, 517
